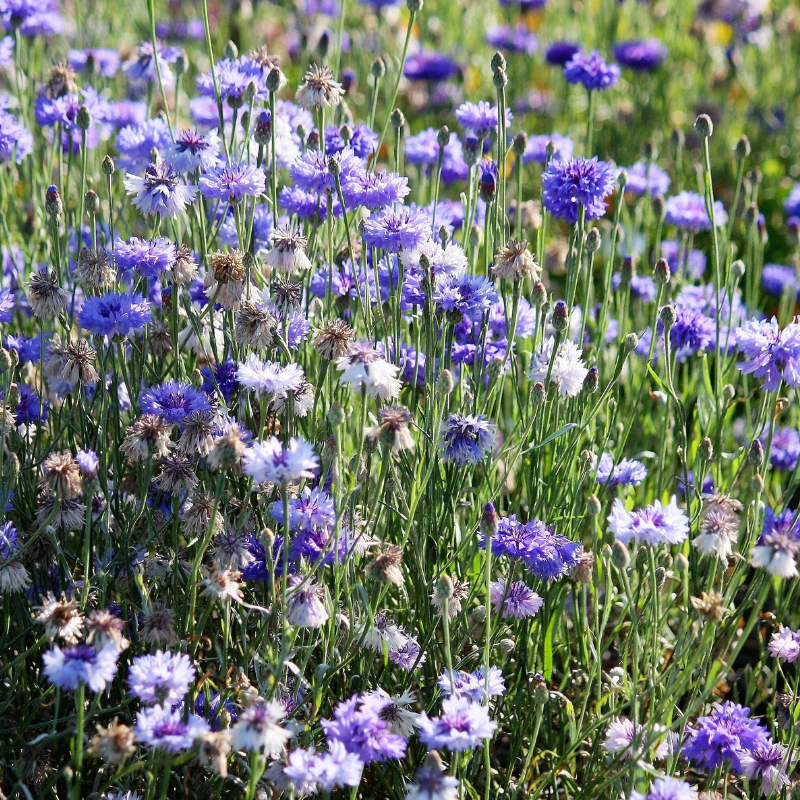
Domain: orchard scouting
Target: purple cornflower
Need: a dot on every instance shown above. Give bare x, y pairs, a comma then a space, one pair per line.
376, 190
516, 39
31, 17
142, 68
192, 151
312, 508
785, 644
269, 378
473, 684
792, 204
770, 354
424, 149
768, 763
232, 80
408, 655
162, 678
642, 56
81, 663
394, 230
306, 603
777, 547
518, 601
785, 449
722, 736
469, 295
16, 141
9, 540
429, 66
232, 182
174, 401
693, 262
667, 788
777, 279
620, 736
536, 149
592, 71
692, 332
159, 191
135, 144
115, 314
88, 462
268, 461
357, 724
644, 178
310, 171
579, 183
431, 782
462, 725
258, 730
627, 472
308, 771
28, 407
124, 113
651, 525
688, 210
163, 728
104, 61
149, 257
561, 53
363, 140
307, 205
466, 439
642, 287
222, 378
480, 118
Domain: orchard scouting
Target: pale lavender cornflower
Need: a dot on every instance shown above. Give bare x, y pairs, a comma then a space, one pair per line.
269, 378
306, 603
365, 368
159, 191
461, 725
646, 178
688, 210
232, 182
258, 729
162, 677
408, 656
620, 736
164, 728
392, 230
785, 644
770, 354
466, 438
473, 684
81, 664
308, 772
88, 462
431, 782
568, 368
768, 762
269, 461
667, 788
519, 601
628, 472
652, 525
480, 118
192, 151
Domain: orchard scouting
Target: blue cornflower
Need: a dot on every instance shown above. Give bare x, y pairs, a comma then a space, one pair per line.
127, 113
62, 112
642, 56
221, 377
310, 171
592, 71
211, 709
28, 349
516, 39
263, 226
785, 449
561, 53
162, 678
363, 140
193, 151
104, 60
462, 725
232, 182
429, 66
81, 663
468, 295
693, 262
174, 401
466, 438
792, 203
722, 736
269, 378
628, 472
536, 148
777, 279
313, 508
357, 724
644, 178
233, 78
770, 353
115, 314
159, 191
473, 684
376, 190
151, 258
688, 210
9, 540
6, 51
141, 68
163, 728
16, 141
579, 183
6, 305
480, 118
31, 17
307, 205
393, 230
642, 287
692, 332
135, 143
27, 409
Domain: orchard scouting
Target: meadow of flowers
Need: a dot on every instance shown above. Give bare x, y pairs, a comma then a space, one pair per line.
399, 400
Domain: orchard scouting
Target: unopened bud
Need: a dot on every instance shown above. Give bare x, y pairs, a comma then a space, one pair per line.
5, 360
620, 557
591, 381
677, 137
538, 295
273, 80
658, 206
705, 450
52, 202
490, 522
475, 236
196, 378
738, 269
498, 61
231, 51
622, 179
755, 455
445, 383
757, 484
378, 68
181, 63
729, 391
650, 151
593, 241
444, 588
630, 342
109, 167
334, 167
704, 126
560, 316
661, 272
593, 507
628, 269
520, 143
500, 78
681, 563
336, 415
92, 202
263, 128
83, 119
667, 316
442, 138
742, 148
398, 119
585, 460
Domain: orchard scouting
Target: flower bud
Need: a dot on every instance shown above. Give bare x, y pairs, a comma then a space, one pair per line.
196, 378
661, 272
738, 269
336, 415
490, 523
729, 392
444, 588
677, 137
109, 167
378, 68
560, 316
593, 241
506, 645
500, 78
475, 236
630, 342
591, 381
757, 484
593, 507
498, 61
231, 51
312, 140
445, 383
181, 63
650, 150
620, 557
658, 206
443, 235
539, 394
704, 126
83, 119
414, 6
742, 148
5, 360
52, 202
538, 295
443, 137
398, 119
273, 80
705, 450
92, 202
755, 455
622, 179
628, 270
520, 143
667, 316
346, 132
263, 128
541, 694
585, 460
681, 563
334, 167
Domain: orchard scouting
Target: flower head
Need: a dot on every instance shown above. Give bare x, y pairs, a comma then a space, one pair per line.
269, 461
688, 210
578, 183
232, 182
115, 314
466, 438
161, 678
160, 191
365, 368
592, 71
462, 725
81, 663
568, 370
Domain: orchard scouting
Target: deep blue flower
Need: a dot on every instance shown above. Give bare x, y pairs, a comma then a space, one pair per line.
27, 410
149, 257
770, 353
429, 66
115, 314
516, 39
580, 182
480, 118
310, 172
641, 55
466, 439
465, 294
560, 53
135, 144
647, 178
174, 401
392, 230
16, 141
592, 71
363, 140
536, 148
785, 450
376, 190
